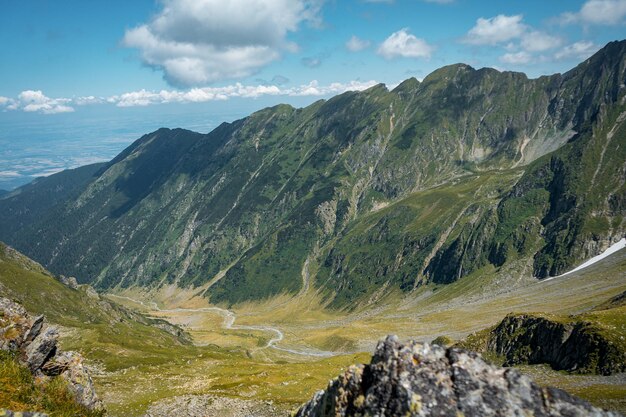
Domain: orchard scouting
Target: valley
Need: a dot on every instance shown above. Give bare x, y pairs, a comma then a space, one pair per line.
310, 330
231, 365
238, 271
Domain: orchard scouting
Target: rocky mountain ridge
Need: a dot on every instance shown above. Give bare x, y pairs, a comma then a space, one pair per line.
368, 192
572, 346
591, 342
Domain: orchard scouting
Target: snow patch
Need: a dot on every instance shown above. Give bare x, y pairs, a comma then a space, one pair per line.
611, 250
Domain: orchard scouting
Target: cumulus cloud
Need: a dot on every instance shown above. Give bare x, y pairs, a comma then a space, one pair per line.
516, 58
83, 101
578, 51
314, 89
535, 41
9, 174
404, 44
36, 101
495, 30
197, 42
597, 12
521, 41
356, 44
197, 95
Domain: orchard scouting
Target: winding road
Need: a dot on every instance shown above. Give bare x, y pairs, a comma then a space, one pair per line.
229, 324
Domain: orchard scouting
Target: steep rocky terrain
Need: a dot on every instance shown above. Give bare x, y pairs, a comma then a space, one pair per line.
98, 326
578, 346
362, 194
34, 344
592, 342
416, 379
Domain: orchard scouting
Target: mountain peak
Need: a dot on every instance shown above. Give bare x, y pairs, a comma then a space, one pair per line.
407, 86
258, 195
448, 72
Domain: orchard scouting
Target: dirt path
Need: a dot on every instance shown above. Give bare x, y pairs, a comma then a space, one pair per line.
229, 324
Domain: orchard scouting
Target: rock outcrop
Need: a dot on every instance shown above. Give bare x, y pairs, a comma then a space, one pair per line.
34, 343
571, 345
414, 379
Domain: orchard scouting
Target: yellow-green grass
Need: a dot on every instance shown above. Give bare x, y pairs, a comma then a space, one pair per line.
605, 392
140, 364
286, 384
100, 330
19, 391
454, 311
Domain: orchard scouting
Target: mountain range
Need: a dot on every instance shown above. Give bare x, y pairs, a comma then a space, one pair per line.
465, 172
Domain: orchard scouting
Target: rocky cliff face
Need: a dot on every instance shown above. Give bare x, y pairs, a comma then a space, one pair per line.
413, 379
428, 182
571, 345
34, 343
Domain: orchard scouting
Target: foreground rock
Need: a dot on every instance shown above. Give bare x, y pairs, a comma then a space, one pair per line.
416, 379
35, 344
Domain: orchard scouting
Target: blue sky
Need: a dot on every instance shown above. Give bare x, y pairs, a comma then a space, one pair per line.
71, 53
82, 79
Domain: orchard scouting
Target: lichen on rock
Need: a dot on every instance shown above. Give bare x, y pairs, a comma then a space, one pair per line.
415, 379
34, 344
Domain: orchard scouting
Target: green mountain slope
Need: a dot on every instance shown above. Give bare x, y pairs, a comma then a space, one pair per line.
364, 193
96, 327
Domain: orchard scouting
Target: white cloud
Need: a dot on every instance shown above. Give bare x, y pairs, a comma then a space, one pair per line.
404, 44
314, 89
3, 100
536, 41
9, 174
597, 12
197, 42
83, 101
356, 44
578, 51
196, 95
36, 101
495, 30
517, 58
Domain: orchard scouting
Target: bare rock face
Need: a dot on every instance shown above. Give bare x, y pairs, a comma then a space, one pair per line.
415, 379
574, 346
79, 380
69, 281
35, 344
38, 351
